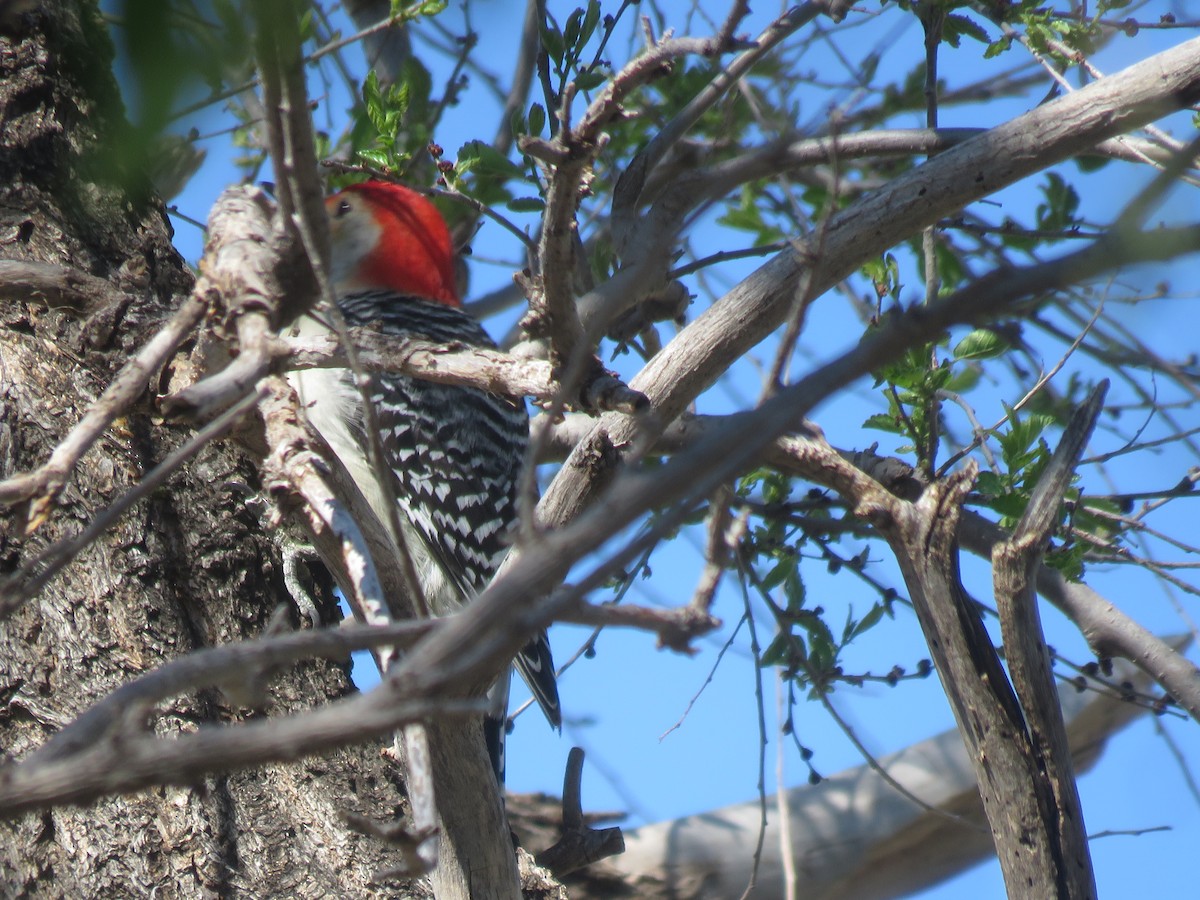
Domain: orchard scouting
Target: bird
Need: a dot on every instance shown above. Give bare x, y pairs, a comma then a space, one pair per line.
453, 454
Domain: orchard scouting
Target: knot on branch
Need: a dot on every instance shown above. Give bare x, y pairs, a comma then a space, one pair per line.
536, 322
603, 391
550, 152
681, 626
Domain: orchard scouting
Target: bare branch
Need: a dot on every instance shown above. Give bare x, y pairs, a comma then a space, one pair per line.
128, 762
232, 666
676, 628
43, 484
1015, 563
868, 834
630, 186
552, 310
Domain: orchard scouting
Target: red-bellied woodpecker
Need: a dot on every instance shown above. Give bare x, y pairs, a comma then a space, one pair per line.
454, 454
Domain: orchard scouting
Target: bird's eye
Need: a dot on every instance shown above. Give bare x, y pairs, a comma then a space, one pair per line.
343, 208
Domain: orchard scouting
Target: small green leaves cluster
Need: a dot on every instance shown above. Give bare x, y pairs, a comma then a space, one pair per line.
1061, 40
1083, 518
396, 128
1024, 455
1064, 42
565, 47
910, 389
884, 273
1059, 209
911, 384
398, 116
1056, 214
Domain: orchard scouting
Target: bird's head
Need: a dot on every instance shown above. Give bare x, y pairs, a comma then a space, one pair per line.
386, 236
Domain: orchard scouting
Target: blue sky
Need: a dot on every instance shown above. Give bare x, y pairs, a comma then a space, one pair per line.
619, 704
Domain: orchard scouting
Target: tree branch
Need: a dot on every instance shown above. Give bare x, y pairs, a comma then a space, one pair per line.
1109, 631
1015, 563
56, 285
490, 370
939, 187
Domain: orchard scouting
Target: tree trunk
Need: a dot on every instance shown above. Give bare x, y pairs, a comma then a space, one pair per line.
191, 566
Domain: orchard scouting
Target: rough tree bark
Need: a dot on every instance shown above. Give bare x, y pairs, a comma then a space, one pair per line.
189, 567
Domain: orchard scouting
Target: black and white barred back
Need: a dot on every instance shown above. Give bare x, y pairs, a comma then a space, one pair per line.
456, 454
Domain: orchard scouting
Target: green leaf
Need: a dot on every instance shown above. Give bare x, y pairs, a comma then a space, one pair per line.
306, 26
1020, 438
590, 20
477, 156
526, 204
955, 26
376, 158
1059, 211
794, 590
885, 422
950, 268
997, 47
586, 81
777, 652
537, 119
778, 573
1010, 505
373, 100
982, 343
990, 484
938, 378
884, 272
775, 487
1068, 562
552, 42
965, 379
1096, 163
571, 32
869, 621
412, 92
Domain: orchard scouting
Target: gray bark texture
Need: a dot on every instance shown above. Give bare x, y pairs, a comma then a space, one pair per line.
190, 567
